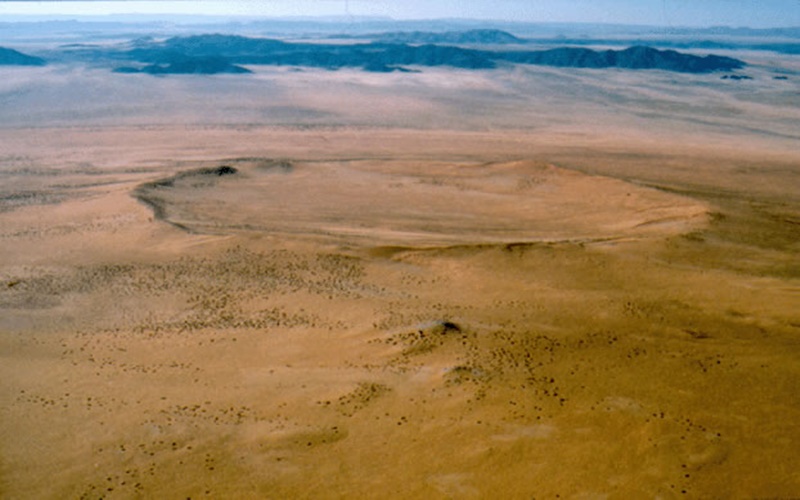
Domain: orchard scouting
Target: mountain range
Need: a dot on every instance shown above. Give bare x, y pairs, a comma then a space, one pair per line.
186, 65
463, 37
380, 56
394, 51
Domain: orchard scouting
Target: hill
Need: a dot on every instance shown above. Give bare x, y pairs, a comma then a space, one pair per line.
245, 50
476, 36
379, 56
183, 65
638, 57
11, 57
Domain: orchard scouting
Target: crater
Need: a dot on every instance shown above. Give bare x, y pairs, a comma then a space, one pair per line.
416, 203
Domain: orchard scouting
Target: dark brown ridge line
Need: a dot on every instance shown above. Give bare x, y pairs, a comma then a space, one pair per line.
158, 207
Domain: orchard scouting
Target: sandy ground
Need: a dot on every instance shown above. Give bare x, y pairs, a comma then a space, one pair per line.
362, 312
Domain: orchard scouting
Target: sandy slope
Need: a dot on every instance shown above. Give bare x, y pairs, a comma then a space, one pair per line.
579, 352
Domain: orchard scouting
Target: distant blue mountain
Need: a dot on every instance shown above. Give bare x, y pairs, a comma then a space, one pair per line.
243, 50
786, 47
638, 57
11, 57
206, 53
464, 37
180, 64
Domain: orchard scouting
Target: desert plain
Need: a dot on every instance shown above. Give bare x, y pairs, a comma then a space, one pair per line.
513, 283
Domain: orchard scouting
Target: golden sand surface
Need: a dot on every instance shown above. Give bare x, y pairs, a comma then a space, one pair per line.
402, 314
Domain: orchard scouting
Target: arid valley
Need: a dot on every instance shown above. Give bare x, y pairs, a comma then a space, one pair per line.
518, 282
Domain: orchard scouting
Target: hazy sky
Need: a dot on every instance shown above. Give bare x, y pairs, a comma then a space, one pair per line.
754, 13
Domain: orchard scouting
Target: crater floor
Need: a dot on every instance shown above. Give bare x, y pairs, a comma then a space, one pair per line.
385, 202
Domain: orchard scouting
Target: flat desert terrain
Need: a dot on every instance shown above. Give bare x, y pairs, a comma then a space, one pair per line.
517, 283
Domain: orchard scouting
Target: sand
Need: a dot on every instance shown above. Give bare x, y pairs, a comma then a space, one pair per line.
395, 312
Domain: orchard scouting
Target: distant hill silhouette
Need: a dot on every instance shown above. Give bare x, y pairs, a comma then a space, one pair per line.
244, 50
477, 36
205, 53
184, 65
11, 57
638, 57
